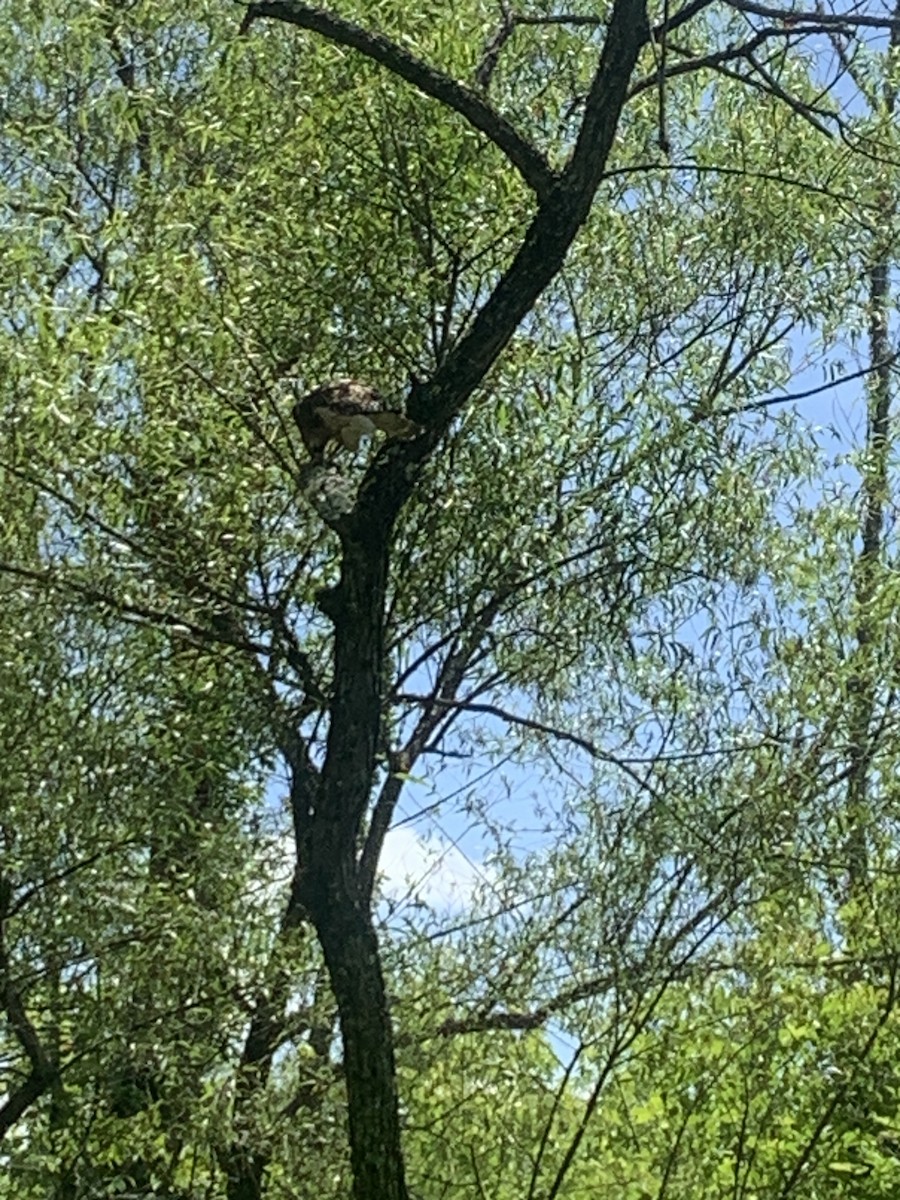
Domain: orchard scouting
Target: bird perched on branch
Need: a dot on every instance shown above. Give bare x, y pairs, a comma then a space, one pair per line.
345, 412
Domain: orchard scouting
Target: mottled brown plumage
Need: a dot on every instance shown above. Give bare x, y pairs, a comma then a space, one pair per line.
345, 411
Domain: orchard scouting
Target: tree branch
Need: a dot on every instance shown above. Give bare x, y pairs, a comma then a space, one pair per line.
793, 17
326, 885
527, 160
19, 1101
546, 242
136, 613
511, 21
540, 727
791, 397
44, 1072
450, 678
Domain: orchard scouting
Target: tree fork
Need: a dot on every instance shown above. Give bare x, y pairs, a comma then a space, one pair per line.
327, 886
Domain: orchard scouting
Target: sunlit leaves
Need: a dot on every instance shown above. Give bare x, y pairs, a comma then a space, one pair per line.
619, 576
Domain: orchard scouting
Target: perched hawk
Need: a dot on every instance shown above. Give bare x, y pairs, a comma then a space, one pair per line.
345, 411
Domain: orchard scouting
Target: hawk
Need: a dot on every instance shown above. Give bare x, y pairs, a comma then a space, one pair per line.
345, 411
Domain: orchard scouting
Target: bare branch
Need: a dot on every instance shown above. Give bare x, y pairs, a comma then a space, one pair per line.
805, 111
792, 17
716, 60
790, 397
511, 21
449, 681
485, 69
494, 710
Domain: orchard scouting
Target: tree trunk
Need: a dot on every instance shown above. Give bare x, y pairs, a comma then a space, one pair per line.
350, 947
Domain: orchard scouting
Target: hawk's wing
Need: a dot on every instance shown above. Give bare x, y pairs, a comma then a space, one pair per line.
395, 424
346, 411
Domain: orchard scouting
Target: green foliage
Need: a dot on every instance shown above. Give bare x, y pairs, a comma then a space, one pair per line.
624, 614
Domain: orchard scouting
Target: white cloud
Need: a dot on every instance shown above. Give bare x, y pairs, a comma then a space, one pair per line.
437, 873
431, 871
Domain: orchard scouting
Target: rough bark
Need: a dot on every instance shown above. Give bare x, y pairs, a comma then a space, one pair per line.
351, 954
326, 886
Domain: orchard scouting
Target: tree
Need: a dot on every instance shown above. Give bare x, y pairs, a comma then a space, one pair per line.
203, 217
